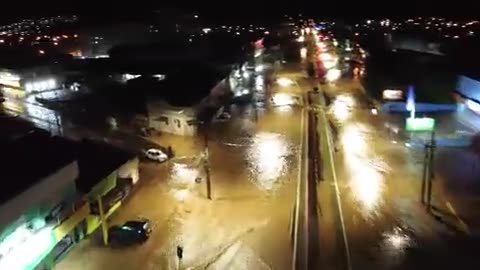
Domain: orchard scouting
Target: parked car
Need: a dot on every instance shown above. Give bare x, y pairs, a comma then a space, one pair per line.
130, 233
156, 155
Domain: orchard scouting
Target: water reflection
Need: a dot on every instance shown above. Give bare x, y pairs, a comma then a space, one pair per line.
365, 172
341, 107
259, 83
396, 241
267, 157
183, 173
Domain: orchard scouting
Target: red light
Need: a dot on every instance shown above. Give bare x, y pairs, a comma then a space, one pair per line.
258, 44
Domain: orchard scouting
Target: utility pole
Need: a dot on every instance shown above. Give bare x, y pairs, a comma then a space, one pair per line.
432, 147
425, 173
427, 176
206, 165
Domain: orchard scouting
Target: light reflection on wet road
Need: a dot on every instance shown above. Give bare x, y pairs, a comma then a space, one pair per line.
379, 183
247, 224
366, 180
267, 159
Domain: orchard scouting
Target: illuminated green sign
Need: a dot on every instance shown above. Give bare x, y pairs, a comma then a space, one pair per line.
420, 124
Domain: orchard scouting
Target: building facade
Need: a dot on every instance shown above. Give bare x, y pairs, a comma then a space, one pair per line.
63, 197
164, 117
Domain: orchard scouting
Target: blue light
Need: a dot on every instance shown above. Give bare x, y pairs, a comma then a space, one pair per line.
410, 106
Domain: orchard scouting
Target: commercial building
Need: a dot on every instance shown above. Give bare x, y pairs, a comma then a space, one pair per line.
19, 83
53, 191
23, 71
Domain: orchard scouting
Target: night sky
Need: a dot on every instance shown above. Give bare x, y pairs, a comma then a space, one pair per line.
258, 10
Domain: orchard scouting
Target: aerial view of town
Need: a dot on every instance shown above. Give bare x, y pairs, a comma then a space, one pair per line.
172, 139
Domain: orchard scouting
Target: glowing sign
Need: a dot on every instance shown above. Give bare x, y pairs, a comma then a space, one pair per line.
389, 94
420, 124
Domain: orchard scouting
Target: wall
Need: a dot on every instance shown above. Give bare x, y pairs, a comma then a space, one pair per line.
39, 199
174, 123
103, 187
130, 170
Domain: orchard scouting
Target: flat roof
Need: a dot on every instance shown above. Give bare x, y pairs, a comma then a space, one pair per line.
97, 160
30, 154
29, 157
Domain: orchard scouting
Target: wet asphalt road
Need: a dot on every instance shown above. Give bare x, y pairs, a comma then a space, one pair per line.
379, 181
247, 225
254, 169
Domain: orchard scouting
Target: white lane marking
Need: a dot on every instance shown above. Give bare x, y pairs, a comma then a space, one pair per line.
337, 193
299, 175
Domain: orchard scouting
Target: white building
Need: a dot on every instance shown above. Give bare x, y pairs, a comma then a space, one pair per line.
171, 119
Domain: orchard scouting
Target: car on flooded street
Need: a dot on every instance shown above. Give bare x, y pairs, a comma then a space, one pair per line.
131, 232
156, 155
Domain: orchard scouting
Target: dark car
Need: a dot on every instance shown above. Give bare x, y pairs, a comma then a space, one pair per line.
131, 232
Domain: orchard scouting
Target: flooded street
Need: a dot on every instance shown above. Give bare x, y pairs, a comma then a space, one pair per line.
253, 167
379, 180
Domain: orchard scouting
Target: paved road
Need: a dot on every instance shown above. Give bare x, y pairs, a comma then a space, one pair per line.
248, 224
377, 220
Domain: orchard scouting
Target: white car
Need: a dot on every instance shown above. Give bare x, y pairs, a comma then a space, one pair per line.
156, 155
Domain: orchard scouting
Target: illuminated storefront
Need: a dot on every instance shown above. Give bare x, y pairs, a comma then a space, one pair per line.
9, 79
26, 246
17, 87
10, 85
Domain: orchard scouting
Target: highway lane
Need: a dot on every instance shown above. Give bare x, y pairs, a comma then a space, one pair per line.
386, 226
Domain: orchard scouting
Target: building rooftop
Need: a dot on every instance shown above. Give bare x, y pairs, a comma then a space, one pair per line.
29, 155
183, 87
97, 160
